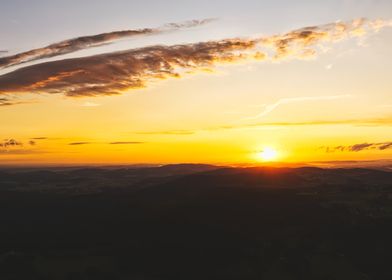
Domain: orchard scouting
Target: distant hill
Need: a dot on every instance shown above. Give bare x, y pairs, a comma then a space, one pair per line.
196, 222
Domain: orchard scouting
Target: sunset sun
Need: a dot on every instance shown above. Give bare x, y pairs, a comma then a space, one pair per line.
268, 154
195, 139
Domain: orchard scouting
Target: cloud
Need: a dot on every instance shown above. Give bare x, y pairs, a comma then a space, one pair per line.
167, 132
90, 104
5, 102
110, 143
269, 108
360, 147
6, 143
39, 138
384, 146
11, 146
118, 72
9, 102
79, 143
299, 42
258, 125
126, 143
14, 100
20, 152
80, 43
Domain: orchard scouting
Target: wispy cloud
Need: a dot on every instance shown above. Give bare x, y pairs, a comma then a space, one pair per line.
79, 143
271, 107
6, 143
360, 147
126, 143
20, 152
300, 42
110, 143
329, 66
118, 72
4, 101
90, 104
167, 132
76, 44
259, 125
39, 138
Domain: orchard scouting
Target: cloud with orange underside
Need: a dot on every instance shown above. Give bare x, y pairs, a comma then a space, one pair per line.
118, 72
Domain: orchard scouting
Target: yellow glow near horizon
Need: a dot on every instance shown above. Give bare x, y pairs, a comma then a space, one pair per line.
268, 154
242, 114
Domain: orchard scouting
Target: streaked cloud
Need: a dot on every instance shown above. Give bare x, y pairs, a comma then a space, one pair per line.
118, 72
167, 132
384, 146
259, 125
110, 143
39, 138
271, 107
357, 122
126, 143
80, 43
360, 147
4, 101
20, 152
79, 143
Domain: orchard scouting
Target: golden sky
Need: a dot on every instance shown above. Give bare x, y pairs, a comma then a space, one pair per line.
318, 92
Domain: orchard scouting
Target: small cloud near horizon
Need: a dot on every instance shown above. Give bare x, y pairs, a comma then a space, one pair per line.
380, 146
110, 143
39, 138
126, 143
167, 132
79, 143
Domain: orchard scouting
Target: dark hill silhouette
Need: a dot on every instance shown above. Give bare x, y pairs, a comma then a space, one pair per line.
195, 222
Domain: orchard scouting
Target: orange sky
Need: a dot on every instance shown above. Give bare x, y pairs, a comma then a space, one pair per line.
331, 104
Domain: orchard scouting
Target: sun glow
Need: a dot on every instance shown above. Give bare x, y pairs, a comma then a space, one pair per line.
267, 154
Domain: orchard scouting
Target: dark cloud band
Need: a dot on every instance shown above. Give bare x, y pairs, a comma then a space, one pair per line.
118, 72
76, 44
361, 147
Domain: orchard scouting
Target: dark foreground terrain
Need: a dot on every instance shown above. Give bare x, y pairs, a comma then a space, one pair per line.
195, 222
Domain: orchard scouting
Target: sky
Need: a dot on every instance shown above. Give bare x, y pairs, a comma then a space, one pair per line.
220, 82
